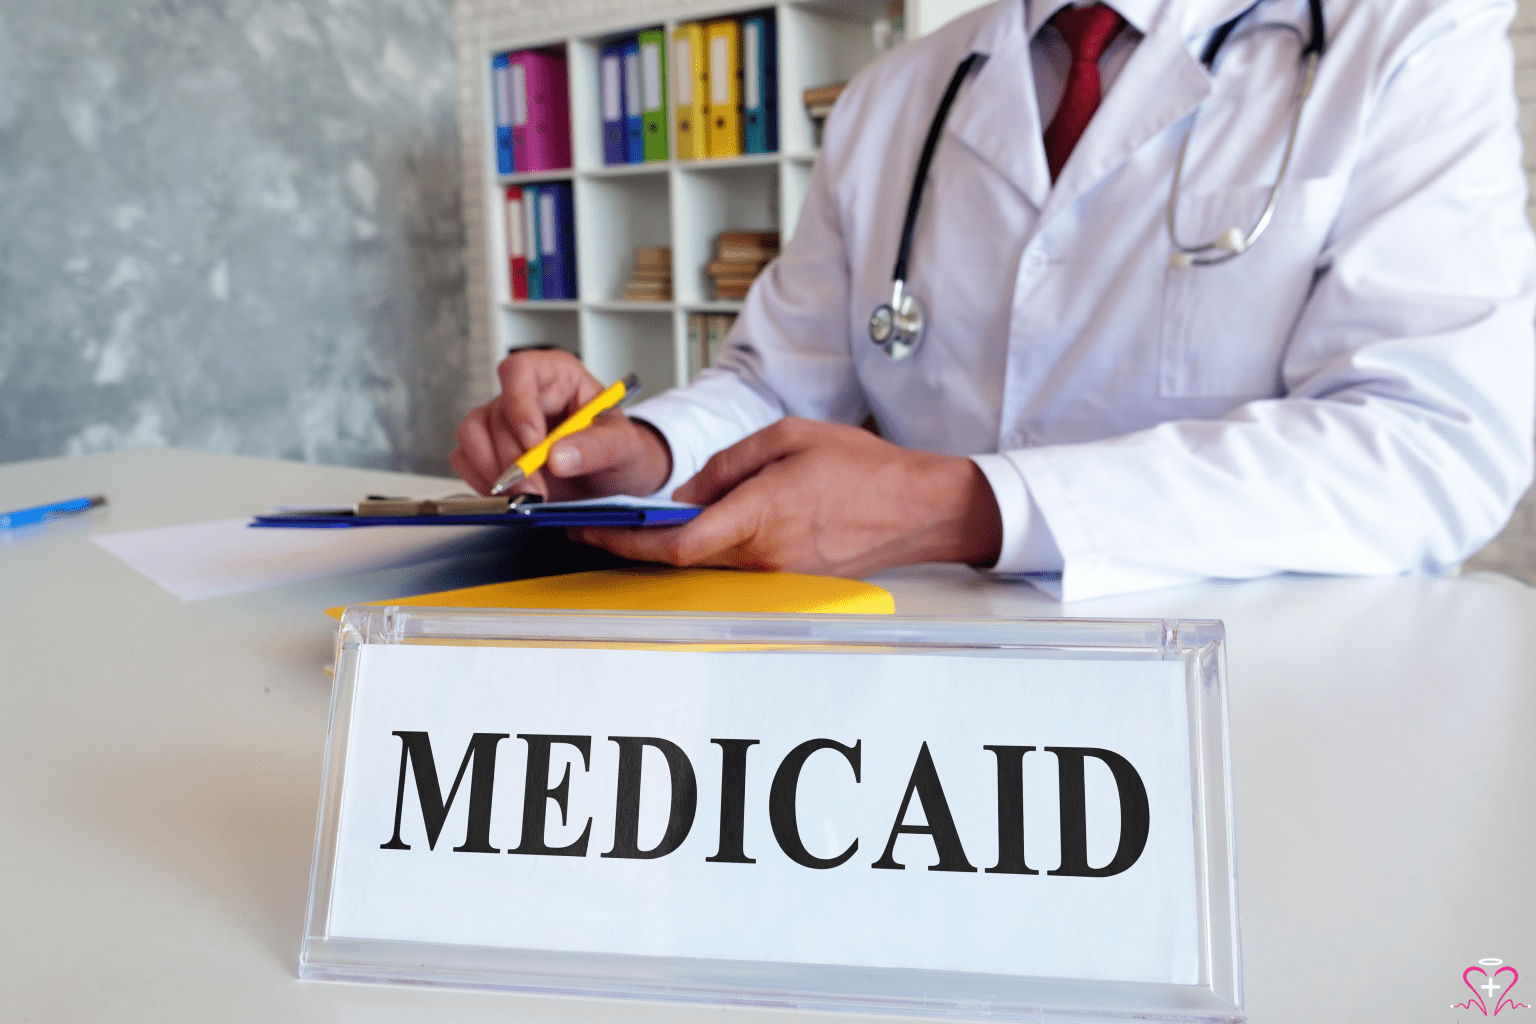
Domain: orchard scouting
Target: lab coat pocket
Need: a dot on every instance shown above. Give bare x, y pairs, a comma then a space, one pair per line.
1225, 327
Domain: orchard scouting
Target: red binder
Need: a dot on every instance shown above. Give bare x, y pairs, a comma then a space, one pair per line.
517, 244
541, 111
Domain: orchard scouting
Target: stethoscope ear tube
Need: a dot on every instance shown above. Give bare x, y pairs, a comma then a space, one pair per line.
1233, 242
897, 326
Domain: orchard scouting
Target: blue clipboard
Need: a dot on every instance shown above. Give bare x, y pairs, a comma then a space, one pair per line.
525, 517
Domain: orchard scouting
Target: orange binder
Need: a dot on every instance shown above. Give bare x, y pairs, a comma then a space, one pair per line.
658, 588
690, 91
724, 41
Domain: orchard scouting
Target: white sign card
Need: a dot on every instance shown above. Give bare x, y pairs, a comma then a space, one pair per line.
965, 809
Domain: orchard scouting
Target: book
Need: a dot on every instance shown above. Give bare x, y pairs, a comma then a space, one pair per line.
557, 246
760, 84
690, 84
501, 96
724, 40
634, 123
611, 87
535, 263
653, 93
717, 328
698, 354
541, 120
517, 245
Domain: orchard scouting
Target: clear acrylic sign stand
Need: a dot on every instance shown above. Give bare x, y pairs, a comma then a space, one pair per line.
1010, 819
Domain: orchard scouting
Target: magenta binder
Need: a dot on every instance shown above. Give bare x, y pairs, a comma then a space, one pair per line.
541, 111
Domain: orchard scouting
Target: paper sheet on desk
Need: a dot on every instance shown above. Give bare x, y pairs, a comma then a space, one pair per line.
202, 560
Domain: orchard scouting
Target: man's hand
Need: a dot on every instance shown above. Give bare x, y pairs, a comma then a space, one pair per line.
539, 389
815, 497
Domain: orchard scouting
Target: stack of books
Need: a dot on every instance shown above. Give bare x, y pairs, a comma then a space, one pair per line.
739, 257
652, 279
818, 101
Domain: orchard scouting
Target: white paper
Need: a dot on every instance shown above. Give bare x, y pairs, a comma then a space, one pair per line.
682, 72
749, 52
519, 96
611, 91
227, 556
547, 222
650, 66
719, 70
1138, 925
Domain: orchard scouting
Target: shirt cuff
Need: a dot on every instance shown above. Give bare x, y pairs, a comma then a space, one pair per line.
1028, 544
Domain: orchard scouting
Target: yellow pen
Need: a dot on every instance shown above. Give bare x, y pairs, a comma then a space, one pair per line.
534, 457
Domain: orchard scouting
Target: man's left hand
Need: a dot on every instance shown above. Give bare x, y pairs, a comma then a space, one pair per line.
803, 496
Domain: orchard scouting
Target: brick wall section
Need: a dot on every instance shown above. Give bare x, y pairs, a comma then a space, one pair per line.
481, 24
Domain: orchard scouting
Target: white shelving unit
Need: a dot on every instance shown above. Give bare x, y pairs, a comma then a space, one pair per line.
683, 204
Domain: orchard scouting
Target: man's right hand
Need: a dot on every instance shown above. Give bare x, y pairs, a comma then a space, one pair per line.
540, 388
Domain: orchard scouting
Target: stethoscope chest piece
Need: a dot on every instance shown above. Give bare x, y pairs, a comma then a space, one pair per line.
897, 326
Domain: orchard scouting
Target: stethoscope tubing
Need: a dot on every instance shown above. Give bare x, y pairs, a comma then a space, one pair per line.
1226, 247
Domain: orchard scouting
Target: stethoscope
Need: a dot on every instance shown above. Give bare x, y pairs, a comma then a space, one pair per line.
897, 326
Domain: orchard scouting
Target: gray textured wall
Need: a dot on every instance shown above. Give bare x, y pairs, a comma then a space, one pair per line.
233, 225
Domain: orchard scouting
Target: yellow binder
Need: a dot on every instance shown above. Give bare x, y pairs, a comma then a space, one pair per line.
690, 91
658, 588
724, 39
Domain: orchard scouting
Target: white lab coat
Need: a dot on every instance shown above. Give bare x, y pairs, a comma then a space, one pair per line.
1352, 395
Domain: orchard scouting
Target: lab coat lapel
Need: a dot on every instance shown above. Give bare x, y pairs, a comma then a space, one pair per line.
1160, 85
996, 114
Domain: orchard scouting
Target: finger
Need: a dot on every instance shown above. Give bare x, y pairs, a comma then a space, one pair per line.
477, 451
609, 443
467, 472
504, 442
729, 467
541, 388
715, 537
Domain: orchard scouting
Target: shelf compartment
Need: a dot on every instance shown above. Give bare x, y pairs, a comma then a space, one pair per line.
617, 343
744, 197
618, 214
537, 324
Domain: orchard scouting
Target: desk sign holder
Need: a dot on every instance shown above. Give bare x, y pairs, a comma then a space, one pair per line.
1010, 819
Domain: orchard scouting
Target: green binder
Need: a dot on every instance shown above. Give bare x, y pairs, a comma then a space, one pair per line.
653, 92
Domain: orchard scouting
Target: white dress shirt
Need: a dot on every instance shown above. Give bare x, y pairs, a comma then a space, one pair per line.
1354, 394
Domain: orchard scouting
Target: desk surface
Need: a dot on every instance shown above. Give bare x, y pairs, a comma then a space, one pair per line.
160, 767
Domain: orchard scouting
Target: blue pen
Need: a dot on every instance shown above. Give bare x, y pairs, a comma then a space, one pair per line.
23, 516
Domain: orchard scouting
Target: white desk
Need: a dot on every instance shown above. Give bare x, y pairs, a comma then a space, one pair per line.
160, 767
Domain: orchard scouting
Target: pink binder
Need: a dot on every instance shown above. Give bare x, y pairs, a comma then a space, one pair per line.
541, 111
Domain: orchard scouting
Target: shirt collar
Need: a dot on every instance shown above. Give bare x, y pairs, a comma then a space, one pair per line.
1137, 13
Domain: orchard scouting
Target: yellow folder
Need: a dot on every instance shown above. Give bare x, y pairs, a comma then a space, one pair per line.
690, 91
658, 588
724, 40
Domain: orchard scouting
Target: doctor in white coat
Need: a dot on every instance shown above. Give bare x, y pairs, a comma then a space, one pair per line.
1353, 394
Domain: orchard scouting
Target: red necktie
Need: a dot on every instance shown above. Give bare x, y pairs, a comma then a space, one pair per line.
1087, 31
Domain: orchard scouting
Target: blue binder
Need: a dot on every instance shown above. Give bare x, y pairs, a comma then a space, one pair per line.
535, 261
760, 85
501, 101
557, 244
611, 87
634, 114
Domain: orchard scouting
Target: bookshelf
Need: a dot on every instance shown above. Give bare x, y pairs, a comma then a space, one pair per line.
683, 204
